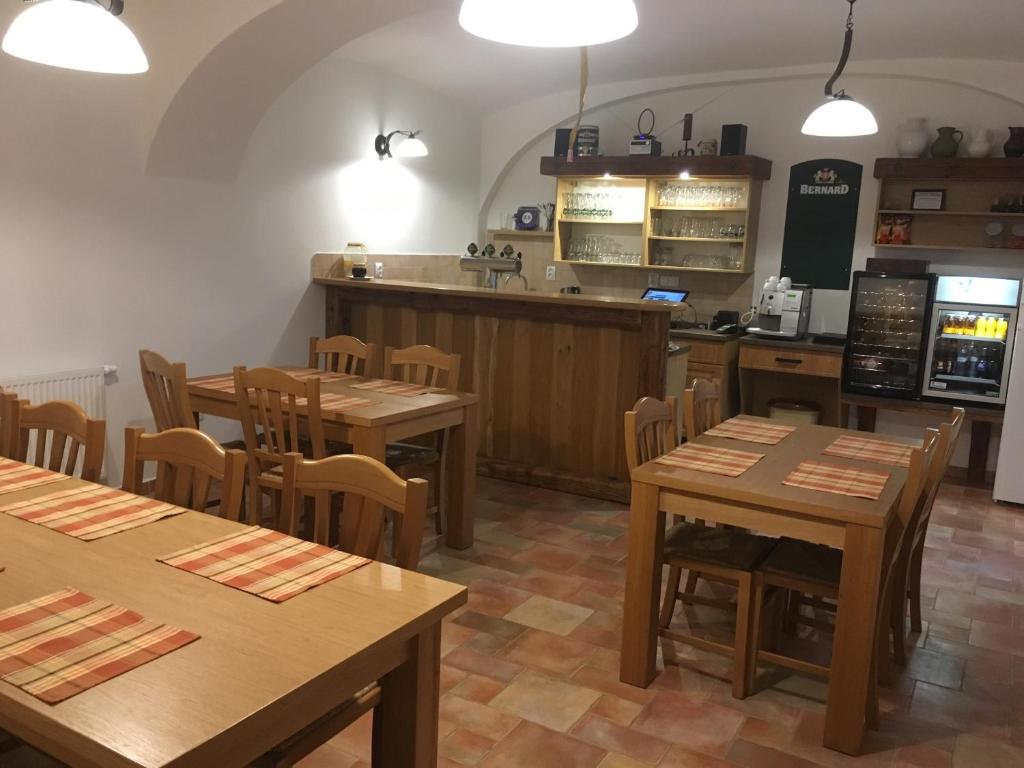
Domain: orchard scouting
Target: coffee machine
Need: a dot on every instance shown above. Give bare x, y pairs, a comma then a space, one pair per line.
784, 310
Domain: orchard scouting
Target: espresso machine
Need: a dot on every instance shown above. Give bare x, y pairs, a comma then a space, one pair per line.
784, 310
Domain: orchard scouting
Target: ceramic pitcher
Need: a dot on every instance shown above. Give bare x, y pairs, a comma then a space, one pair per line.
913, 138
948, 142
1015, 146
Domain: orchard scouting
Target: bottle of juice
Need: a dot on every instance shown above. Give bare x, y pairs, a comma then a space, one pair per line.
1002, 326
979, 326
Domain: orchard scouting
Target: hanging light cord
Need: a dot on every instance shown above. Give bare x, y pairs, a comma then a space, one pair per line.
847, 47
584, 80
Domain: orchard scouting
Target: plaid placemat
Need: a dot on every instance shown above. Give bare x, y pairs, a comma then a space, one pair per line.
395, 387
329, 401
15, 476
846, 481
314, 373
265, 563
865, 449
220, 383
91, 512
751, 431
705, 458
57, 646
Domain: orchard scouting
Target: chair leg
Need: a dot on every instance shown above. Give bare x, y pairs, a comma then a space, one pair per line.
757, 594
871, 715
668, 605
914, 587
691, 582
792, 609
742, 659
441, 486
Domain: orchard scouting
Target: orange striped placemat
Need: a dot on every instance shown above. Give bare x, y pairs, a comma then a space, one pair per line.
227, 383
59, 645
865, 449
91, 511
831, 478
220, 383
265, 563
15, 476
335, 403
705, 458
751, 431
395, 387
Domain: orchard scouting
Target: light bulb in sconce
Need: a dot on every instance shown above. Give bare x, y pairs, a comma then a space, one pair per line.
86, 35
410, 146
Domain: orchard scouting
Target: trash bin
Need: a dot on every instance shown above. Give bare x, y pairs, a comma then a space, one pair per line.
794, 411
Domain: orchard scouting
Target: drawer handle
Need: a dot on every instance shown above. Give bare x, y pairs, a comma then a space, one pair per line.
788, 361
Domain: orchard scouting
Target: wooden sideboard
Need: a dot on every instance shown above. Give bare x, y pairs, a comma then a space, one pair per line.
714, 357
554, 373
795, 370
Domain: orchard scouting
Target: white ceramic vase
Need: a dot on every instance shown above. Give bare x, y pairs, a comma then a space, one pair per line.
981, 144
913, 138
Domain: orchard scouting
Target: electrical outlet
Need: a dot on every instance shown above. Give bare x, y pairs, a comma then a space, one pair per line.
551, 273
378, 270
668, 281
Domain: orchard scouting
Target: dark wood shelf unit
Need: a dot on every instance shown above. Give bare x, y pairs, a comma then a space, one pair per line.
957, 168
746, 166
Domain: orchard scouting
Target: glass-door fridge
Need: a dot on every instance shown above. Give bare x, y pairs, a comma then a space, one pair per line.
973, 325
886, 334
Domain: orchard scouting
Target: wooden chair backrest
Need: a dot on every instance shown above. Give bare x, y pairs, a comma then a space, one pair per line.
650, 430
701, 408
914, 490
949, 433
344, 354
187, 461
273, 401
167, 391
63, 434
370, 488
424, 365
8, 439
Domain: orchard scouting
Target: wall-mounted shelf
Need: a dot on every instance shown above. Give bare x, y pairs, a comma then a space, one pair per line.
971, 187
635, 191
515, 234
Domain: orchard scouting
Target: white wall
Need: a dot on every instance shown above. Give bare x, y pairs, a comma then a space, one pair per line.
98, 260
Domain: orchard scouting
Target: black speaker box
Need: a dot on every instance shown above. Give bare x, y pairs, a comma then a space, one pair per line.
734, 139
562, 141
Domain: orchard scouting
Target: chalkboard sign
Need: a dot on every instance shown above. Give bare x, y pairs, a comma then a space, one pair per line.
821, 223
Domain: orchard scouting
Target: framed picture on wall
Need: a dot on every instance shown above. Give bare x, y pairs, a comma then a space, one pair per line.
928, 200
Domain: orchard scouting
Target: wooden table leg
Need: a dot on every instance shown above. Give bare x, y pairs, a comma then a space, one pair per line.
867, 417
977, 465
406, 720
370, 442
854, 639
638, 664
462, 479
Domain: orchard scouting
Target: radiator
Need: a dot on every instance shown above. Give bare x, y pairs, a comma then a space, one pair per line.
86, 388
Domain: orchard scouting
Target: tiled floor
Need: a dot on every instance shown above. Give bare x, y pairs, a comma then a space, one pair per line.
530, 672
530, 667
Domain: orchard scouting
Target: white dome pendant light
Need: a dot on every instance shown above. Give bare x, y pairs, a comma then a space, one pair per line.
86, 35
549, 23
841, 115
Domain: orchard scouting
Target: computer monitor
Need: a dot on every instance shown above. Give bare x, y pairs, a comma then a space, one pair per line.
661, 294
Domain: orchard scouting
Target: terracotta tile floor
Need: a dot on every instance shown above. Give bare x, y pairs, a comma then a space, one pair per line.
530, 667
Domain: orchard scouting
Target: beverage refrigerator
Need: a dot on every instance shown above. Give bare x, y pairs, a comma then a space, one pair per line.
1009, 477
971, 337
887, 334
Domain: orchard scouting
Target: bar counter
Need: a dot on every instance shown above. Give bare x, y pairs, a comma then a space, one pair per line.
554, 372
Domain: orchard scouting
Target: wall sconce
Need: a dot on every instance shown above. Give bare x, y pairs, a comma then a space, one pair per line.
412, 146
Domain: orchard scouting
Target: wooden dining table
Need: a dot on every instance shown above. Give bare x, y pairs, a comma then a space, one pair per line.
757, 500
387, 419
259, 672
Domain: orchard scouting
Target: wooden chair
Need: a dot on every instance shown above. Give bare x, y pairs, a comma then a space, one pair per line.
369, 488
433, 368
702, 408
166, 386
344, 354
187, 463
8, 439
270, 400
815, 569
724, 554
908, 568
63, 434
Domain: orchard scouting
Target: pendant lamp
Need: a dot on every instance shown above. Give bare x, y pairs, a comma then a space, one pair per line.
549, 23
841, 115
86, 35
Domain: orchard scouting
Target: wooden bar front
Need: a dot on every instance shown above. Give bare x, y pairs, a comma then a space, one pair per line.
554, 373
